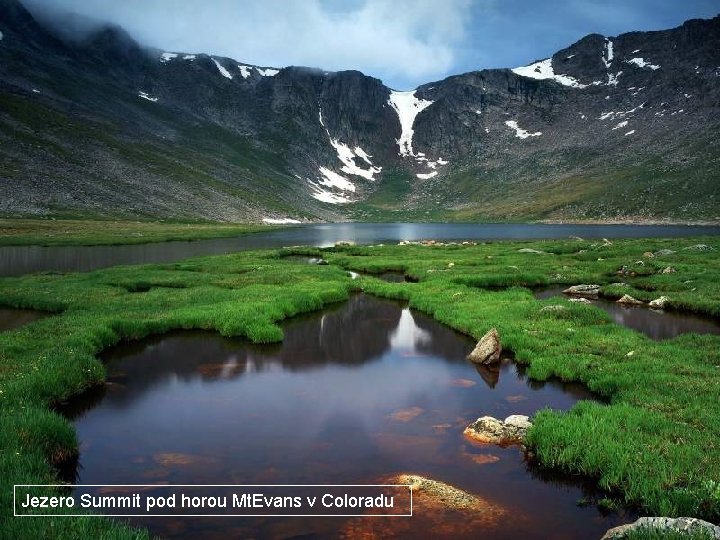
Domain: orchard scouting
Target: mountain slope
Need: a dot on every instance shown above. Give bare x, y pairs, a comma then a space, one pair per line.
609, 128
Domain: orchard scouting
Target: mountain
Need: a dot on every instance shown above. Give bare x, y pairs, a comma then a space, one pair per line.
609, 128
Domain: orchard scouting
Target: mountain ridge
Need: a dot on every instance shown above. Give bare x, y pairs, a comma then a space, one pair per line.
602, 130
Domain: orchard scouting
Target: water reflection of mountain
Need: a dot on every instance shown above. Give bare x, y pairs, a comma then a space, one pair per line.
356, 332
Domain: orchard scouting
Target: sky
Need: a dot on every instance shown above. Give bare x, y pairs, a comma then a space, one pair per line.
403, 42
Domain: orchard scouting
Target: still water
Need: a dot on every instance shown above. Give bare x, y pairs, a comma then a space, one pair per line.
657, 324
360, 391
18, 260
11, 318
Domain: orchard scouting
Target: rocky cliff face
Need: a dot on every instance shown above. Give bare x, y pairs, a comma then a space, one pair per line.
608, 128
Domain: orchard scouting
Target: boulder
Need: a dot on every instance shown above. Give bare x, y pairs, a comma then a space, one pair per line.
530, 250
663, 252
487, 350
344, 243
668, 270
580, 300
627, 299
648, 255
679, 526
590, 291
659, 303
490, 430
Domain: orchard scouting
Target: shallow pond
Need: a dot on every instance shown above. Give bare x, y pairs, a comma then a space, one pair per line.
657, 324
11, 318
362, 390
18, 260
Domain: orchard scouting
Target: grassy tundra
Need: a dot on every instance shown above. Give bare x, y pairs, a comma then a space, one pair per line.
653, 441
69, 232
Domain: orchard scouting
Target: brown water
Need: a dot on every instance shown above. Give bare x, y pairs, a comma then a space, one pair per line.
657, 324
18, 260
11, 318
360, 391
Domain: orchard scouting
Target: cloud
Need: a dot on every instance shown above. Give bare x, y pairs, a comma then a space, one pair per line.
405, 42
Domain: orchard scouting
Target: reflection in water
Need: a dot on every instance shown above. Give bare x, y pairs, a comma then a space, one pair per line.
10, 319
17, 260
657, 324
353, 394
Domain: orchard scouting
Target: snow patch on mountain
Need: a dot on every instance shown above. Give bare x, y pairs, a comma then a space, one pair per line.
334, 180
543, 70
167, 56
608, 54
189, 57
348, 155
640, 62
244, 71
621, 125
612, 115
613, 78
325, 195
407, 107
426, 176
145, 95
519, 132
224, 72
267, 72
280, 221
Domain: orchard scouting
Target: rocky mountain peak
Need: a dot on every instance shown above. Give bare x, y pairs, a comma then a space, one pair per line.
607, 127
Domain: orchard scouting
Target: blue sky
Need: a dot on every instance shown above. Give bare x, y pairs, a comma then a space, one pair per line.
403, 42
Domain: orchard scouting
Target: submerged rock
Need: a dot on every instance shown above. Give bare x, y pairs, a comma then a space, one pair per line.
488, 429
583, 290
445, 494
439, 510
487, 350
659, 303
682, 525
627, 299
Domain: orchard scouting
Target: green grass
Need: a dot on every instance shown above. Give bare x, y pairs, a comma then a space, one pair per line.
653, 442
77, 232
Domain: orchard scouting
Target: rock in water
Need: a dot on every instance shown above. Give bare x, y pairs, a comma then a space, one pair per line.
487, 350
627, 299
488, 429
583, 290
659, 303
682, 525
